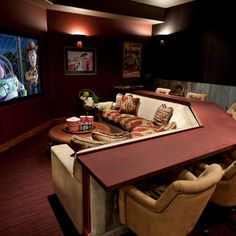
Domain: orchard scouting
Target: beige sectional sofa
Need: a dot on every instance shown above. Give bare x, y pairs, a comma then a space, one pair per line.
67, 182
67, 173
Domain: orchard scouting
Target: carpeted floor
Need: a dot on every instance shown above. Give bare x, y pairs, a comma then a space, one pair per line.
28, 205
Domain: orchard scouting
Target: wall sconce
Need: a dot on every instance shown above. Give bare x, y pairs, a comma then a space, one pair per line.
79, 44
162, 42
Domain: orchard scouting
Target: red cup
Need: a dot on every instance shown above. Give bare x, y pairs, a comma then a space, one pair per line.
90, 119
83, 118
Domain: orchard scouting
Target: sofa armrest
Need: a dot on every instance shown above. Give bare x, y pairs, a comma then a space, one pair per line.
64, 154
105, 106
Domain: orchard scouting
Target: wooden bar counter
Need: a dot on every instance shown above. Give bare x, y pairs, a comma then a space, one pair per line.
122, 165
119, 166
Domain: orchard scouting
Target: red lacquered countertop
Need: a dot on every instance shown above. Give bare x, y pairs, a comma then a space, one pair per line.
119, 166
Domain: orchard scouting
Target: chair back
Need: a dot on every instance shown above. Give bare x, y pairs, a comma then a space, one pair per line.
225, 192
232, 111
197, 96
163, 90
178, 90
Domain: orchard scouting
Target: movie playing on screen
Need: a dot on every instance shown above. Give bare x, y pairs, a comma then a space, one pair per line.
19, 68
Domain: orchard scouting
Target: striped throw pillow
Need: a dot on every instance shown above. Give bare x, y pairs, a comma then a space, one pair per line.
162, 115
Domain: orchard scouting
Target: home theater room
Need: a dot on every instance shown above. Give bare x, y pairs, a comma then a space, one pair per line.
118, 118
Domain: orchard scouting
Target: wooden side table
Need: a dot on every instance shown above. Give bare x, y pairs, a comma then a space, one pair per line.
57, 134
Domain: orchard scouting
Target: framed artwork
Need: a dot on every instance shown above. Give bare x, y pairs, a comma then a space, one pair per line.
79, 61
131, 60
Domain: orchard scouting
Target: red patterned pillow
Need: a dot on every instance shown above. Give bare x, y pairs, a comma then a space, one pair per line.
128, 104
162, 115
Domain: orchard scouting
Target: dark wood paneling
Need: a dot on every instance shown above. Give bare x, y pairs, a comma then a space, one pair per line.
201, 46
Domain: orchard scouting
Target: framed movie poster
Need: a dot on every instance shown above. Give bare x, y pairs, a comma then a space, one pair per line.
79, 61
131, 60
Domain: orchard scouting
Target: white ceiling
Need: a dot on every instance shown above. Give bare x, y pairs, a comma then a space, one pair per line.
163, 3
47, 4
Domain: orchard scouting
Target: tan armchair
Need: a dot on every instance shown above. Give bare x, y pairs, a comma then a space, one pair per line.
225, 192
177, 209
232, 111
197, 96
163, 90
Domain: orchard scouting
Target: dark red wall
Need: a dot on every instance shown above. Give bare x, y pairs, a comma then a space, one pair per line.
107, 36
15, 119
55, 29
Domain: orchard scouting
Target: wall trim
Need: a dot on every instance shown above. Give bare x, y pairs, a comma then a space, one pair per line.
29, 134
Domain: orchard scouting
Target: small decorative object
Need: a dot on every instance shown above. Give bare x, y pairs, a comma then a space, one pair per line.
79, 61
89, 102
88, 97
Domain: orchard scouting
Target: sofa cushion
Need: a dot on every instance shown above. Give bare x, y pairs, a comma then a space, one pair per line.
79, 143
111, 115
126, 121
129, 123
171, 125
110, 137
146, 130
128, 104
162, 115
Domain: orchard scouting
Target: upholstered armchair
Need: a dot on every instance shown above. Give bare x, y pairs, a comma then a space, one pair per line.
225, 192
232, 111
197, 96
174, 210
163, 90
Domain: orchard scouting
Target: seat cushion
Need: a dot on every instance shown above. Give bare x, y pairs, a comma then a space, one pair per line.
110, 137
79, 143
146, 130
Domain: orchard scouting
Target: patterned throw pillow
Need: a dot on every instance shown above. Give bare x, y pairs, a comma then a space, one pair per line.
162, 115
110, 137
118, 100
79, 143
128, 104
